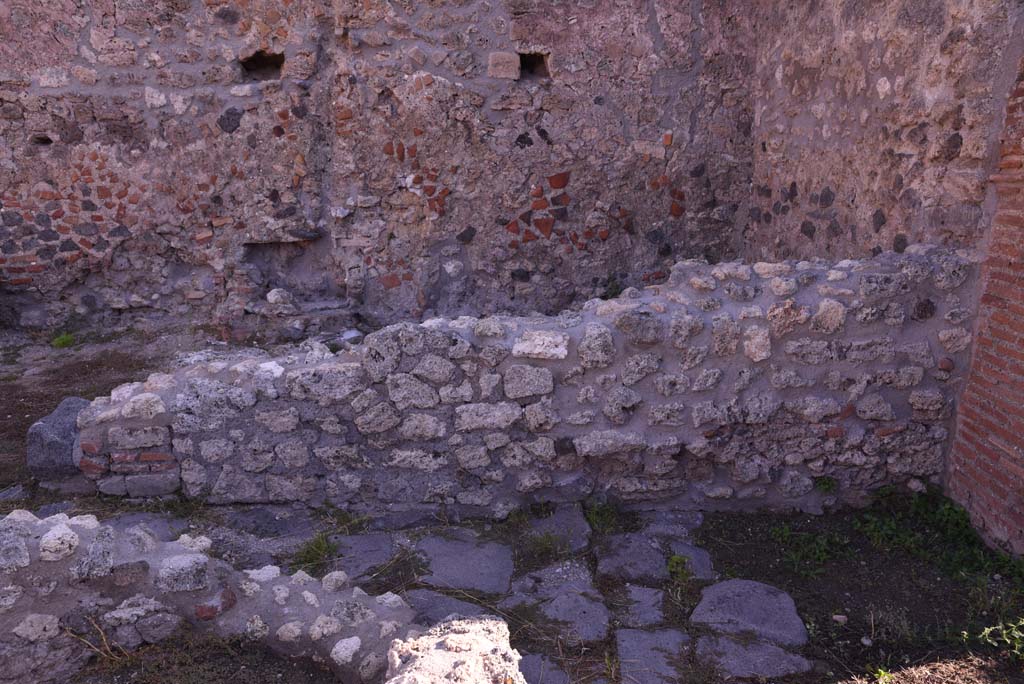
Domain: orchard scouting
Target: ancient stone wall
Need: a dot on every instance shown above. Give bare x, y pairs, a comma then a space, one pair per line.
987, 467
408, 159
731, 386
189, 156
73, 582
876, 123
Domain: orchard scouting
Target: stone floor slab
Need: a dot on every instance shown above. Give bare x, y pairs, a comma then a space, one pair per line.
743, 606
565, 593
456, 564
567, 523
633, 558
644, 607
358, 554
700, 560
432, 607
650, 657
749, 659
538, 669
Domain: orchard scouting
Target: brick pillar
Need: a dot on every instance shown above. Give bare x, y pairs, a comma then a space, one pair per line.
986, 471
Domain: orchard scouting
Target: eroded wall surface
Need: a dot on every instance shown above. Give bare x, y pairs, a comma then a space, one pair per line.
405, 159
788, 385
876, 123
190, 156
66, 578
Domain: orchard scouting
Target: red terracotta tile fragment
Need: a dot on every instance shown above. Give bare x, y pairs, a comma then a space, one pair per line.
559, 180
544, 225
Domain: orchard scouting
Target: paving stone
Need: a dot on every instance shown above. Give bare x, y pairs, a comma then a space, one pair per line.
565, 593
644, 608
700, 560
432, 607
632, 557
538, 669
458, 564
359, 553
671, 524
738, 659
650, 657
744, 606
568, 523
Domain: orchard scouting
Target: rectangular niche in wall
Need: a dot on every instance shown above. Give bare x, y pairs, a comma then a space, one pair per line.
262, 66
534, 65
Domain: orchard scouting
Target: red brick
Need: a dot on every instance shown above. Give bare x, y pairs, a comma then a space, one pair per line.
544, 225
559, 181
92, 466
390, 281
155, 456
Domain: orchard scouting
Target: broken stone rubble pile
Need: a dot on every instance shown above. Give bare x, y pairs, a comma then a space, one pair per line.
733, 385
64, 575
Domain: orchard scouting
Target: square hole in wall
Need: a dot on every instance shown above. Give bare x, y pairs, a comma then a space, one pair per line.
534, 65
262, 66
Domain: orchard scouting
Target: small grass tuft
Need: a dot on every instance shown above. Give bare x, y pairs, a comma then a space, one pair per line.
539, 550
805, 553
341, 521
881, 676
315, 556
609, 518
62, 341
613, 288
826, 485
679, 569
931, 527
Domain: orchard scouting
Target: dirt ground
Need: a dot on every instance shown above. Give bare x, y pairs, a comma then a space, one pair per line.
891, 595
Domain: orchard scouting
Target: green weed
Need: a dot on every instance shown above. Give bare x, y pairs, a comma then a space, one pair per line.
826, 485
608, 518
341, 521
1007, 637
679, 569
315, 556
806, 554
613, 288
62, 341
931, 527
538, 550
882, 676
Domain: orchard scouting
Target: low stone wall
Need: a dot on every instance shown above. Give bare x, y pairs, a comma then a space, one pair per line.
765, 385
120, 586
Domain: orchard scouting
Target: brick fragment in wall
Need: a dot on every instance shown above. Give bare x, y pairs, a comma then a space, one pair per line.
648, 395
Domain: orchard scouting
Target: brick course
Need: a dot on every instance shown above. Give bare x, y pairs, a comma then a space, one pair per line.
986, 472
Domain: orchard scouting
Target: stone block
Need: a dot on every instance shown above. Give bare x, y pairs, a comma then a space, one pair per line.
503, 65
51, 441
153, 484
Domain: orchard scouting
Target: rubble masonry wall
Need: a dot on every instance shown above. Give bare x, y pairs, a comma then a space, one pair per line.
732, 386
